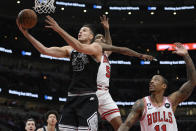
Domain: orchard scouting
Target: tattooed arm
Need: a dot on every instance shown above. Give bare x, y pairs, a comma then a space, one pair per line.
187, 88
125, 51
134, 115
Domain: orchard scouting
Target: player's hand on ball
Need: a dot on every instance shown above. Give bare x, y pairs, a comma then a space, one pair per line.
20, 27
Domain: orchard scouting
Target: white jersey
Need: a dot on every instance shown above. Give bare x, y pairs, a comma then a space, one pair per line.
103, 76
156, 118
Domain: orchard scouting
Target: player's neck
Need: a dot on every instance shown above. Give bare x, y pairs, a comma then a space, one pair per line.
157, 99
51, 127
85, 42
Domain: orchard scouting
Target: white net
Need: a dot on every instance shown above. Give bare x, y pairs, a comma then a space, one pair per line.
44, 6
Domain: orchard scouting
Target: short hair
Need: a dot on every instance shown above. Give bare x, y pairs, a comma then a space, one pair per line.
164, 80
51, 112
30, 119
92, 29
99, 34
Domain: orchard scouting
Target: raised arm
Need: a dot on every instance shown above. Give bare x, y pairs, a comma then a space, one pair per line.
187, 88
134, 116
125, 51
52, 51
106, 26
92, 49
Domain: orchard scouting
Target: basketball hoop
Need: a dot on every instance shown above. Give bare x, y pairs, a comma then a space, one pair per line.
44, 6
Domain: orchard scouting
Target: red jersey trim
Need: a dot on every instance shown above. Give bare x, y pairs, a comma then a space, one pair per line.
109, 112
170, 103
164, 99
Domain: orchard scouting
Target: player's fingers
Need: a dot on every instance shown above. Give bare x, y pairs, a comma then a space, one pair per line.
50, 18
47, 26
19, 25
47, 21
101, 18
175, 48
150, 58
104, 17
178, 44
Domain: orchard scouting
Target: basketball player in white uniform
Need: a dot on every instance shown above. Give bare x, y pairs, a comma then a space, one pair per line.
156, 112
51, 117
107, 107
30, 125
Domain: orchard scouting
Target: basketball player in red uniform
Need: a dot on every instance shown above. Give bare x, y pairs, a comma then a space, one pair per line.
156, 112
107, 107
80, 110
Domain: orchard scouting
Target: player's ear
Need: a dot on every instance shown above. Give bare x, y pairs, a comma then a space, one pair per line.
91, 36
164, 85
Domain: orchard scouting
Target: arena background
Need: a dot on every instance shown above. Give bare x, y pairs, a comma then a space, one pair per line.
31, 84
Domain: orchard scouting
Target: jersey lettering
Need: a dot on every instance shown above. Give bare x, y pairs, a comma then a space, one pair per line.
155, 117
105, 59
107, 71
158, 118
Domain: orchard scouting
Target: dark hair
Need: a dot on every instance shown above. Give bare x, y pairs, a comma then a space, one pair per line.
164, 80
30, 119
51, 112
92, 29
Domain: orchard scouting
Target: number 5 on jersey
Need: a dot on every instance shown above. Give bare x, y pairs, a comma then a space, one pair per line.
107, 71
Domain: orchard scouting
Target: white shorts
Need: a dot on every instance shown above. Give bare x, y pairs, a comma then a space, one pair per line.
107, 107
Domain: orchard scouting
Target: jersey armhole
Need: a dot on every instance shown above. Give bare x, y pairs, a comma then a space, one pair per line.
170, 103
145, 109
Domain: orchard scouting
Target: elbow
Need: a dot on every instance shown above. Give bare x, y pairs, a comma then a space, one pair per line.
45, 51
125, 51
78, 46
79, 49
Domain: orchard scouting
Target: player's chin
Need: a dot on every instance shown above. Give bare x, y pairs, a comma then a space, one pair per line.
151, 91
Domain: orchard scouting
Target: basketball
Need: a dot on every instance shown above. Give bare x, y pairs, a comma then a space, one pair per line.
27, 18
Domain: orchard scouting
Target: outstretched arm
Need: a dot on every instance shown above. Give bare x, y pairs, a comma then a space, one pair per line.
52, 51
92, 49
125, 51
187, 88
106, 26
134, 116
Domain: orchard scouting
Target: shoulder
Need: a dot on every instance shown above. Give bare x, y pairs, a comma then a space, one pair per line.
68, 50
139, 105
67, 47
96, 44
